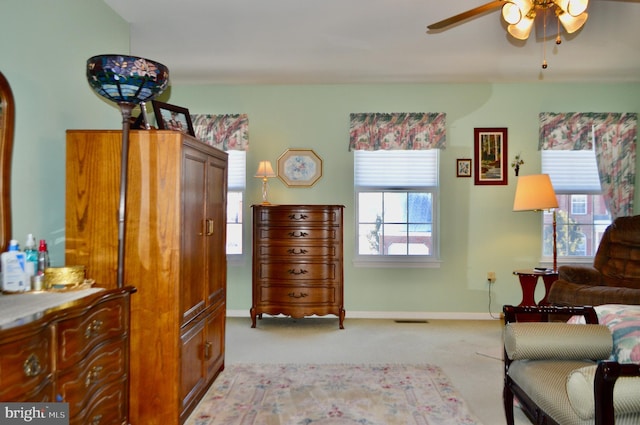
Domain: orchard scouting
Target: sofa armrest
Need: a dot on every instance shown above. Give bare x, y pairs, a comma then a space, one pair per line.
586, 275
603, 390
557, 341
541, 313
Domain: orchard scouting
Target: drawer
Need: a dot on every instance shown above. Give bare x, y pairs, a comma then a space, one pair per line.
25, 364
294, 251
296, 234
297, 295
107, 407
103, 366
298, 216
78, 336
298, 271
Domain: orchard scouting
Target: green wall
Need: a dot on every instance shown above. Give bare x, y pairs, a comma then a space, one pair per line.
43, 52
44, 47
479, 231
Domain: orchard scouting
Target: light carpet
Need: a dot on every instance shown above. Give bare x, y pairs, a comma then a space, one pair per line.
336, 394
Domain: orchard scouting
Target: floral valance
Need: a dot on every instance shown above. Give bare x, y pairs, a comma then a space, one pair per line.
577, 131
613, 138
397, 131
226, 132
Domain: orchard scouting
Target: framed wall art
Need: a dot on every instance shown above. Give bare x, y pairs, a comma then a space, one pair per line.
463, 167
490, 161
171, 117
299, 167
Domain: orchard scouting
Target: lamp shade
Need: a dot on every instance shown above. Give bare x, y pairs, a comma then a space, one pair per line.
571, 23
126, 79
265, 170
522, 29
534, 192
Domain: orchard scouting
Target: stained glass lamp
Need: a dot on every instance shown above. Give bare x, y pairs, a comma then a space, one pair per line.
127, 81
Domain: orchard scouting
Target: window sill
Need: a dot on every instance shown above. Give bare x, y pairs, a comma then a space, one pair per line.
236, 260
548, 262
405, 263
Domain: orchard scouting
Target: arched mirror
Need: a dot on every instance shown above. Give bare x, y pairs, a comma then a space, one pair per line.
7, 120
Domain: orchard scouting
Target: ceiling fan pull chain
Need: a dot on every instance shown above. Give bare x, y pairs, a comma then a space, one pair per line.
544, 41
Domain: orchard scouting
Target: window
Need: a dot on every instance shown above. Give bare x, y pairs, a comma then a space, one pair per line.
578, 204
396, 196
236, 184
582, 215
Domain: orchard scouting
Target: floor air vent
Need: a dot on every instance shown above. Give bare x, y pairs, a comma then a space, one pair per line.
411, 321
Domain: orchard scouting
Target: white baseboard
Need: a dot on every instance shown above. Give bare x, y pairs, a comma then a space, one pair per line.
400, 315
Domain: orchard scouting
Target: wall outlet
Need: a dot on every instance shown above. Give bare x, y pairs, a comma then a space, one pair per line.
491, 277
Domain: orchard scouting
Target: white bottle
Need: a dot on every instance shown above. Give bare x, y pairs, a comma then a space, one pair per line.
14, 269
32, 255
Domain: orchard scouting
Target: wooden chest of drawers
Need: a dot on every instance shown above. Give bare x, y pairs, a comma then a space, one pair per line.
297, 261
77, 353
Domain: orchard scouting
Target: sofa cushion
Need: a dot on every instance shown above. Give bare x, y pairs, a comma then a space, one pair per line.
554, 340
568, 293
626, 393
544, 381
624, 323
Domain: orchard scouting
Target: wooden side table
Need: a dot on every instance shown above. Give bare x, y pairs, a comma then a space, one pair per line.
528, 281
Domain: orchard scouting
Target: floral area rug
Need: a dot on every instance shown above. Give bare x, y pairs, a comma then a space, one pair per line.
332, 394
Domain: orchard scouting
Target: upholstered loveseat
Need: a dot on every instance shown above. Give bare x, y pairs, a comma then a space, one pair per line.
614, 277
563, 374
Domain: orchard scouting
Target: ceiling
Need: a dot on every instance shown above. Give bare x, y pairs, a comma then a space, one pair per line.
372, 41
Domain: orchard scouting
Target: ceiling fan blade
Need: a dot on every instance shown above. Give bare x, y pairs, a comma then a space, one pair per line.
466, 15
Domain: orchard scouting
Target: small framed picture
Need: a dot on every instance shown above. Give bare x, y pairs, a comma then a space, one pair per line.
299, 167
490, 162
171, 117
463, 167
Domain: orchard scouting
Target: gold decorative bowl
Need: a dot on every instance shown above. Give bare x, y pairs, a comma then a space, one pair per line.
64, 278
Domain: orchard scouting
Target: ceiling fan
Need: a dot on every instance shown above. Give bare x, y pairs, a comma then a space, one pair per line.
521, 14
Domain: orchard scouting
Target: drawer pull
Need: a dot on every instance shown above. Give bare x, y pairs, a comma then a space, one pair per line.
300, 295
93, 329
96, 419
32, 366
208, 350
93, 375
297, 251
297, 272
298, 234
298, 217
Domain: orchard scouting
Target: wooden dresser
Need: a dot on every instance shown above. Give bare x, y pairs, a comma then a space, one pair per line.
297, 261
76, 352
174, 252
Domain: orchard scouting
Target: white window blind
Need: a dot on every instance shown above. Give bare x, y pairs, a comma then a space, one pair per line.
396, 168
572, 171
237, 170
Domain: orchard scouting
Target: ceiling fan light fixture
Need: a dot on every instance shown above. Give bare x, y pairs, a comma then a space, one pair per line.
572, 24
577, 7
522, 29
511, 13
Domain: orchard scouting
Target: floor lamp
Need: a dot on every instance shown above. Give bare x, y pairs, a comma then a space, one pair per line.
535, 193
127, 81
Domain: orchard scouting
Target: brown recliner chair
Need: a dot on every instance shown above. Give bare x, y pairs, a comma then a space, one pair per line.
614, 277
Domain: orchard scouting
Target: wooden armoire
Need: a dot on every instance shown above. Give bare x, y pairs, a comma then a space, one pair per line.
174, 256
